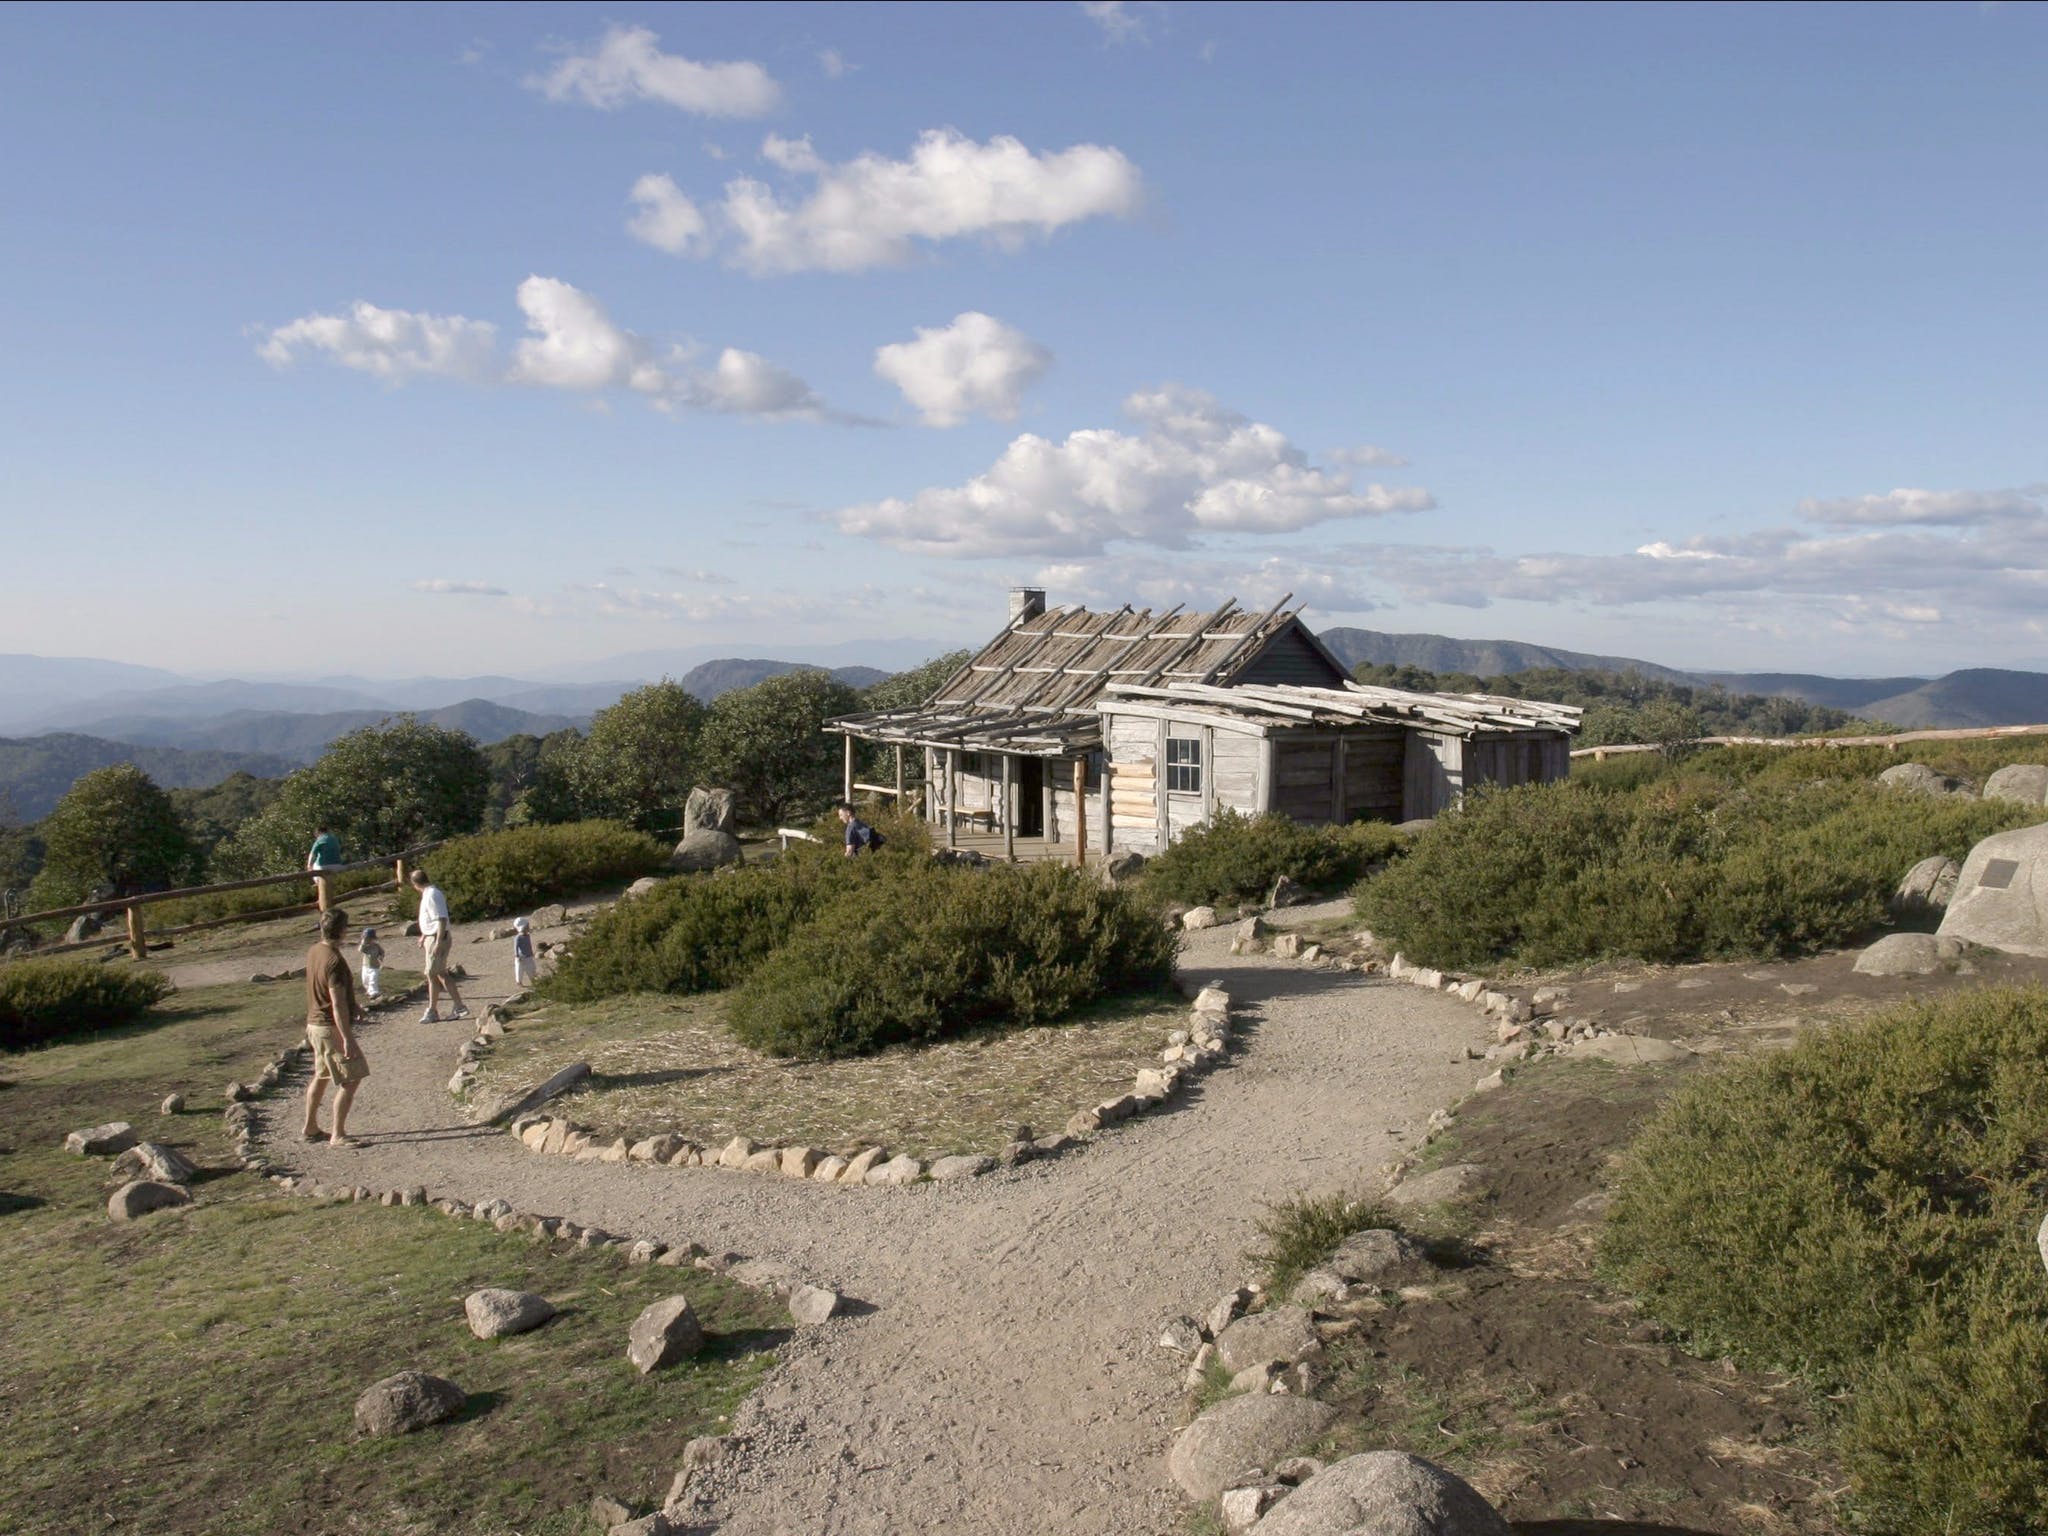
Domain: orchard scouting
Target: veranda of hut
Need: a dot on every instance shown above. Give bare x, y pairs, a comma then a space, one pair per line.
1178, 754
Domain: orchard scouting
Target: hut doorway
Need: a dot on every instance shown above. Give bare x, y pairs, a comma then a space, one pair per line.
1031, 797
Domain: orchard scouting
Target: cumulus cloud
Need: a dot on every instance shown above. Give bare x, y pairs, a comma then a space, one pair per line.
665, 219
975, 365
444, 587
873, 211
626, 65
393, 344
1192, 467
571, 344
1367, 457
1956, 509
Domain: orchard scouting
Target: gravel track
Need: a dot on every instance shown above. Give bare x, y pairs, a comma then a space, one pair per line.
1007, 1379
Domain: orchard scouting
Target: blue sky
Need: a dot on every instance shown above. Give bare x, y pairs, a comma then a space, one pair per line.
1709, 334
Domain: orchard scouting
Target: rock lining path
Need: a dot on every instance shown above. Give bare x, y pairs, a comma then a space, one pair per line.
1008, 1380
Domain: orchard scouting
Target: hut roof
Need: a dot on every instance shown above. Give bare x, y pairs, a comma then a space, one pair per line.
1033, 689
1281, 705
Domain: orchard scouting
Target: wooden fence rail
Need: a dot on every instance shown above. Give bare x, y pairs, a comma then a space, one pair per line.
1897, 739
131, 906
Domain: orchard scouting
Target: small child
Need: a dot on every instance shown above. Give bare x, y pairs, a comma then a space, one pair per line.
373, 963
522, 953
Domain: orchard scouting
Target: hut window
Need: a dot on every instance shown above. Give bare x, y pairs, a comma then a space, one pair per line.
1183, 766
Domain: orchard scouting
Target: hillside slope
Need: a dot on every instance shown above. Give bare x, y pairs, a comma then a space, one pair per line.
1974, 697
709, 679
35, 772
1857, 694
1481, 658
300, 738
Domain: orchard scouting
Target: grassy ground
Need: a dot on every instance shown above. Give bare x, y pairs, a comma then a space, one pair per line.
196, 1371
666, 1063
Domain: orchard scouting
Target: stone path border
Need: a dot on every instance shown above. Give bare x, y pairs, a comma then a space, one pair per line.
1199, 1047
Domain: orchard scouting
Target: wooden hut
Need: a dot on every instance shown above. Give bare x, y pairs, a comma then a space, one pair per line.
1185, 714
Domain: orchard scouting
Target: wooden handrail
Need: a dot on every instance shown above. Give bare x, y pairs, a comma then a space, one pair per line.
124, 903
1957, 733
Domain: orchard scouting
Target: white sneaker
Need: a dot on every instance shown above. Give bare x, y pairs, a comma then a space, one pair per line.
430, 1018
460, 1013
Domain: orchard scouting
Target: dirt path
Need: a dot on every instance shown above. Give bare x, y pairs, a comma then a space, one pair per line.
1007, 1380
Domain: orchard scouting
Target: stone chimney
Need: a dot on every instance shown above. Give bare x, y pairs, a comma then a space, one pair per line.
1026, 603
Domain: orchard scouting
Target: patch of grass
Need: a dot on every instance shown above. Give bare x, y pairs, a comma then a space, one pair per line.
1214, 1386
1862, 1208
196, 1371
1389, 1406
668, 1063
1301, 1231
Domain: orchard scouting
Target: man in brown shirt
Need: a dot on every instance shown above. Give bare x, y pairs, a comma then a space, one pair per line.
330, 1030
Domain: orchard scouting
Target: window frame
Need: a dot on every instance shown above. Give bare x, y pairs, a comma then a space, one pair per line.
1183, 777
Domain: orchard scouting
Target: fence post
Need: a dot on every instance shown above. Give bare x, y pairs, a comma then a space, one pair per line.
398, 873
136, 940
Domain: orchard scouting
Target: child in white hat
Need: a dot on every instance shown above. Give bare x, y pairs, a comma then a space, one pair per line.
522, 953
373, 963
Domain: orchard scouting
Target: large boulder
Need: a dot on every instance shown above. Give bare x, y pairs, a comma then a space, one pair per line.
1919, 779
1901, 954
710, 810
665, 1333
1926, 891
2024, 782
86, 925
154, 1160
1122, 868
705, 849
138, 1197
1214, 1452
1384, 1493
101, 1140
1285, 1334
411, 1400
1367, 1258
2001, 899
493, 1312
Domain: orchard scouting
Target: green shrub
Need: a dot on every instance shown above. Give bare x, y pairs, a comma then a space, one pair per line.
1675, 867
700, 933
1862, 1209
1234, 858
49, 999
931, 949
494, 873
1298, 1233
262, 898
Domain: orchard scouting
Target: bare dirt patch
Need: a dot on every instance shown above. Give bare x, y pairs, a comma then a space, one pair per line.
667, 1064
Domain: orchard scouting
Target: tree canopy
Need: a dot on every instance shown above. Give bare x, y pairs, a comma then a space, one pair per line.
114, 829
768, 743
640, 759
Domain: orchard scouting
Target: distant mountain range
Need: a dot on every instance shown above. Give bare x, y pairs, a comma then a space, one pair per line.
77, 713
35, 773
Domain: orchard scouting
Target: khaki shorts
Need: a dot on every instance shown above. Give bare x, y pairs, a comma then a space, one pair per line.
437, 954
329, 1065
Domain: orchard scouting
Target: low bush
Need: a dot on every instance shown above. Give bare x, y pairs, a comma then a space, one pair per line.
934, 949
1298, 1233
1862, 1209
49, 999
495, 873
262, 898
700, 933
1235, 858
1676, 868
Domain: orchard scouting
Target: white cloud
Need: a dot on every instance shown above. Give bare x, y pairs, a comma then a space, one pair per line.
1193, 467
575, 345
393, 344
1926, 508
572, 345
1116, 22
627, 65
747, 384
976, 365
665, 219
445, 587
872, 211
834, 63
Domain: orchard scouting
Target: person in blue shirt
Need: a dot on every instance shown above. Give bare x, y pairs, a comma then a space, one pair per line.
860, 837
325, 854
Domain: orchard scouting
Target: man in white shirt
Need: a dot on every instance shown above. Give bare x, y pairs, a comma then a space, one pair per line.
437, 938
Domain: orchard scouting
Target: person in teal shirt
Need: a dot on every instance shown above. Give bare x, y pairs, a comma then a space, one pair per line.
325, 854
